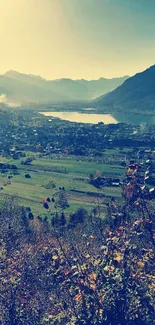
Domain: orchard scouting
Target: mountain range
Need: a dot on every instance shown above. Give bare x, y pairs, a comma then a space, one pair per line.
18, 88
137, 93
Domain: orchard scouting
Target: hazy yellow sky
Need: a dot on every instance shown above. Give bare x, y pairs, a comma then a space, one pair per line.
77, 38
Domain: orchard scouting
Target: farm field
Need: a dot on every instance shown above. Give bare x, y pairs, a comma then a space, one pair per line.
70, 173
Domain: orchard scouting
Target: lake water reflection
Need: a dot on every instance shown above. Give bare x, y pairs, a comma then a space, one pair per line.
83, 118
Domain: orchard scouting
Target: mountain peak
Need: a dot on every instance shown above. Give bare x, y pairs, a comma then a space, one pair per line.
16, 74
11, 73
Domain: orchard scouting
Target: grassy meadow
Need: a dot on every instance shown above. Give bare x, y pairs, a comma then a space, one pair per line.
68, 172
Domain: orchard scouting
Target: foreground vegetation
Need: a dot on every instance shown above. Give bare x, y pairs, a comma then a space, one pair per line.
82, 271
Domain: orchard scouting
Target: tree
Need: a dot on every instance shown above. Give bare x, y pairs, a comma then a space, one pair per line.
14, 225
78, 217
63, 219
61, 201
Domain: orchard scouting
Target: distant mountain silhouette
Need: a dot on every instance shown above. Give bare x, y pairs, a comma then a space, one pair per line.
136, 93
23, 88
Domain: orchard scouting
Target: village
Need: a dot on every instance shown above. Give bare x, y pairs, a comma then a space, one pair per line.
28, 130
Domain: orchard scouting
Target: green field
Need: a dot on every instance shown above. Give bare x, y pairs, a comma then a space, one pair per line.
70, 173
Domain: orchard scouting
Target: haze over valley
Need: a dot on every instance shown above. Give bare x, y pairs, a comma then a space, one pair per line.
125, 94
22, 89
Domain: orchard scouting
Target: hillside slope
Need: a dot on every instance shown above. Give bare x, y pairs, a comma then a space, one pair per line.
137, 92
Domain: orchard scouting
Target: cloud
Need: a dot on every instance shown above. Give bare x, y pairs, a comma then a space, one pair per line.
4, 100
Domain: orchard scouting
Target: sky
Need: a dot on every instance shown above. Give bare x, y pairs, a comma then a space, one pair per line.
77, 38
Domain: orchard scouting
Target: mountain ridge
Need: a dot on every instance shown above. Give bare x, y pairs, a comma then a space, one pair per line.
14, 72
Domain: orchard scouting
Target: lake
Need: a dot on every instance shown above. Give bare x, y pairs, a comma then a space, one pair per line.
83, 118
114, 118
